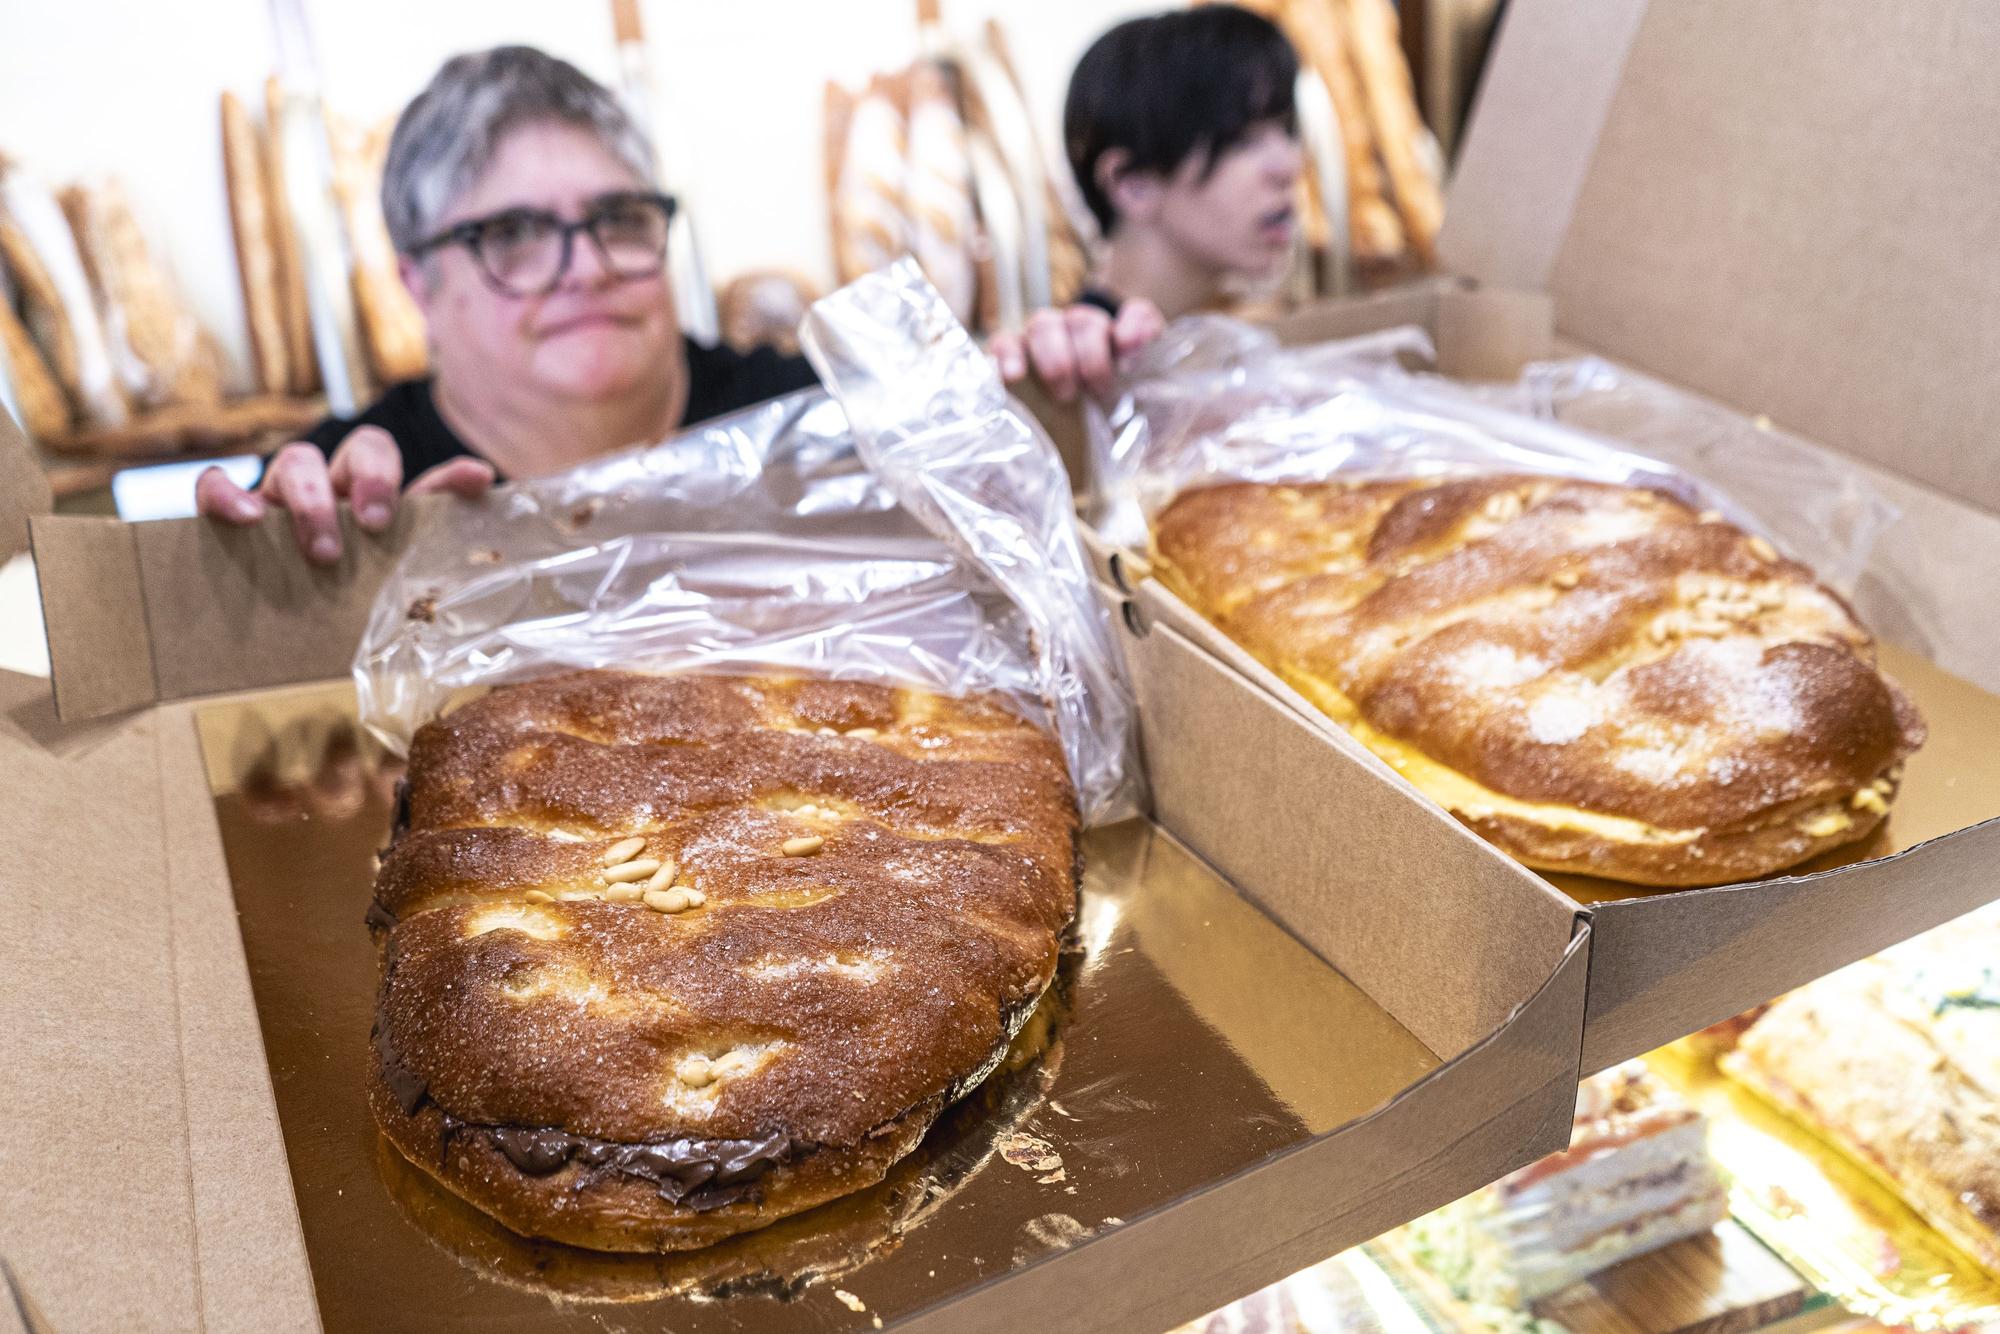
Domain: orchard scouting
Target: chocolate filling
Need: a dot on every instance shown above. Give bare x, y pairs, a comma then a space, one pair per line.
400, 824
407, 1085
702, 1174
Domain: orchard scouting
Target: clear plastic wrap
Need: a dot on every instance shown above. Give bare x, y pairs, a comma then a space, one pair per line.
1811, 501
1217, 400
760, 540
937, 429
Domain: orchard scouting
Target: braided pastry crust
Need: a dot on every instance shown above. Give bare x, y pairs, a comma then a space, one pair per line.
1594, 677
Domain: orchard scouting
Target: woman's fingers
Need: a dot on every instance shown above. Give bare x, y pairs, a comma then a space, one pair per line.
1139, 322
297, 479
216, 497
367, 471
1090, 345
1047, 337
467, 477
1010, 353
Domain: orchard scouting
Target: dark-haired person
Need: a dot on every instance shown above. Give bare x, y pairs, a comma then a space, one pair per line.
1183, 136
532, 233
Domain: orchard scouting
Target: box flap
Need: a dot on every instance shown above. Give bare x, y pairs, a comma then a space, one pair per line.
1792, 209
87, 988
1670, 964
24, 488
145, 612
1420, 914
1548, 83
94, 613
1783, 205
1510, 1099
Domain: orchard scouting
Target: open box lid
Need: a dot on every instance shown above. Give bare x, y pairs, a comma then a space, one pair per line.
1782, 205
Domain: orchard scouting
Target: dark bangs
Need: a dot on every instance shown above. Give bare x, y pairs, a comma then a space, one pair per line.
1190, 83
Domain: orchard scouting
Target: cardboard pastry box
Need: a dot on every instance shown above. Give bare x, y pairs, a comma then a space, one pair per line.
186, 988
1719, 195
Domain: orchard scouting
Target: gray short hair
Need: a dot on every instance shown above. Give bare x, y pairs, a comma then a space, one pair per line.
446, 137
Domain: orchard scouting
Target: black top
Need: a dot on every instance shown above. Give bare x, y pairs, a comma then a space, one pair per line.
720, 380
1094, 295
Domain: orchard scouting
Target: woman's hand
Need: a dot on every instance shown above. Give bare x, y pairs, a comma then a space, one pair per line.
1078, 346
366, 471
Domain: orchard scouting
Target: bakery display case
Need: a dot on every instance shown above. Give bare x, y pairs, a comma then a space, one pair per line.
1854, 1200
1313, 1055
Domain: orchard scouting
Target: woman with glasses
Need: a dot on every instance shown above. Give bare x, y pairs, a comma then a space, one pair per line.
529, 227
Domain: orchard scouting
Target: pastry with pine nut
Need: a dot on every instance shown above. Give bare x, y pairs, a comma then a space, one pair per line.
668, 958
1596, 678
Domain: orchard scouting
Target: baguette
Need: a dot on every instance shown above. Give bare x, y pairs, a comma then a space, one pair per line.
162, 353
1316, 27
392, 327
1391, 103
256, 254
45, 411
41, 258
301, 363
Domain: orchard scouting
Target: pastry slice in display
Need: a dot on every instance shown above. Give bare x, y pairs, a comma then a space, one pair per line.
1636, 1176
1896, 1060
668, 958
1596, 678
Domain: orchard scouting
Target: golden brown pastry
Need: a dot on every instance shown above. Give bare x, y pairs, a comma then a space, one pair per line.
1897, 1060
666, 959
1596, 678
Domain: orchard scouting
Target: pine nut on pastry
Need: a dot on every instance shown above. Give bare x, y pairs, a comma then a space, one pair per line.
668, 958
1596, 678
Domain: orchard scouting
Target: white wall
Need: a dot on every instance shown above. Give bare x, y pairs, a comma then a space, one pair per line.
129, 87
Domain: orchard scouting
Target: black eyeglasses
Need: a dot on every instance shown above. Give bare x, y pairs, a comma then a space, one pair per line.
526, 251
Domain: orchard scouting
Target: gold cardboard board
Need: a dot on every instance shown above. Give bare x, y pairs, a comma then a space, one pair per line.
1192, 1038
1844, 1231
